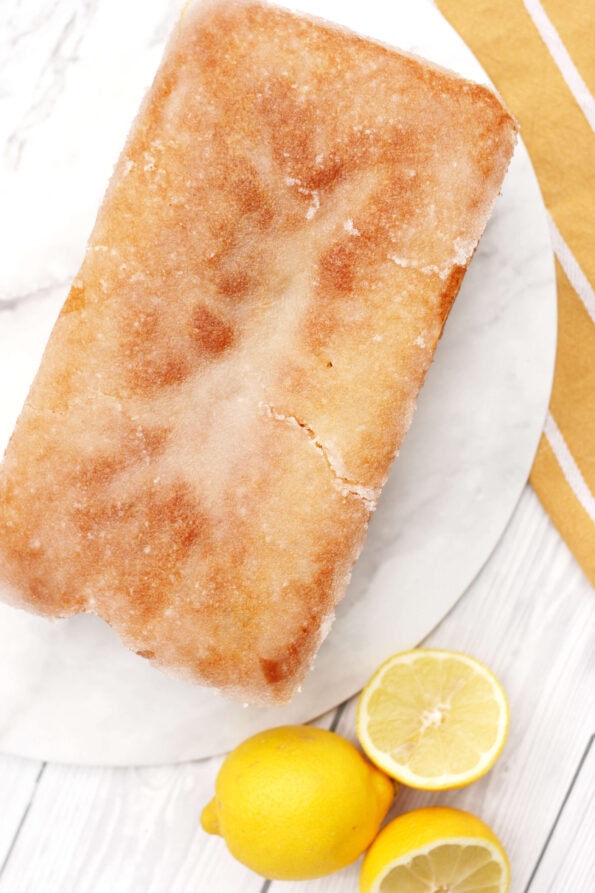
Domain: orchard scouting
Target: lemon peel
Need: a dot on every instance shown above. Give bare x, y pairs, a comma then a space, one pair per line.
297, 802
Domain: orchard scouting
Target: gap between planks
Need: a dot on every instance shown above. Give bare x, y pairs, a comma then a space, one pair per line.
23, 819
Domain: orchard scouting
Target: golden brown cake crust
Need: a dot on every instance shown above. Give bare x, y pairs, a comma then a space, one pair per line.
239, 356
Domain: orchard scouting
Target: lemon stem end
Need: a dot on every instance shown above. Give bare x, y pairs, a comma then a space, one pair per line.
210, 819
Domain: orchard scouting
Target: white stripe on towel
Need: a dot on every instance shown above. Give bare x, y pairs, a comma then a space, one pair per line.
562, 58
570, 469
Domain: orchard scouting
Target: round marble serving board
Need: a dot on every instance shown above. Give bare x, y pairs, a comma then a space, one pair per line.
68, 690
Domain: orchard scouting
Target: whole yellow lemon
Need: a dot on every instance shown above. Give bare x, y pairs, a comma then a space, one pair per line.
297, 802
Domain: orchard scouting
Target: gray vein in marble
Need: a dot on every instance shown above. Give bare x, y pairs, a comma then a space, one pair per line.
17, 301
18, 32
52, 78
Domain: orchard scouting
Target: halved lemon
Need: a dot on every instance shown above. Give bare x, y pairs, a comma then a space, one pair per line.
433, 719
435, 850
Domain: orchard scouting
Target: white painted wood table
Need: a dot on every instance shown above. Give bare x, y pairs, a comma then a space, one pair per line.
529, 615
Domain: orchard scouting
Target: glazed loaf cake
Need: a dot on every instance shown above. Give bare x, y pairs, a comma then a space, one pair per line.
239, 357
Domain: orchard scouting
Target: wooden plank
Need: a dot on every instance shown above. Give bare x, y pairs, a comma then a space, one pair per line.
119, 830
567, 862
18, 784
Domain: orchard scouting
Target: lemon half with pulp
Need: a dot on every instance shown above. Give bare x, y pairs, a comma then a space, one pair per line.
435, 850
433, 719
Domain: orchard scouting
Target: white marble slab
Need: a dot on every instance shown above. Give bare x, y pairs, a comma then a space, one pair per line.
68, 690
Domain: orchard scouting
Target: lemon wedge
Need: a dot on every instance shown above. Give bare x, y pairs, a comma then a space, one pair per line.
435, 850
433, 719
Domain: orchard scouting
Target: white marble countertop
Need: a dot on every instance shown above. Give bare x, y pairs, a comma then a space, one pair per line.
528, 614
